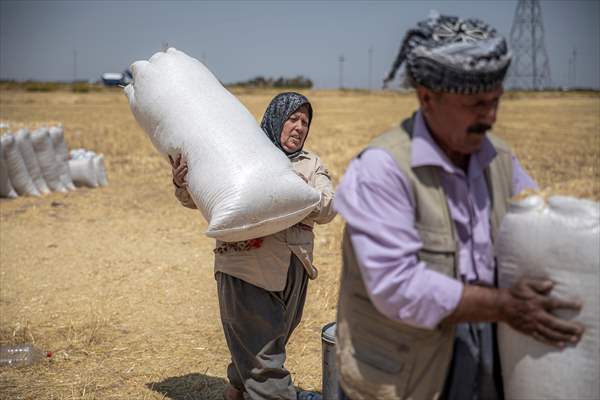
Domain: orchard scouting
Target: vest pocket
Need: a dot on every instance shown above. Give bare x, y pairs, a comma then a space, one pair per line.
384, 366
374, 356
438, 251
440, 262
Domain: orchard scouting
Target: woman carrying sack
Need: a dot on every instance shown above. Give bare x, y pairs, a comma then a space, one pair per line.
262, 282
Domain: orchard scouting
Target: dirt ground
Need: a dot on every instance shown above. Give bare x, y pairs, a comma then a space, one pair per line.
118, 281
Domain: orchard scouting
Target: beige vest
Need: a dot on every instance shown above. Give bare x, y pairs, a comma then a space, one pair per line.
383, 359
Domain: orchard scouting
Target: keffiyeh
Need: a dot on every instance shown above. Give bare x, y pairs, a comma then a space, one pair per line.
449, 54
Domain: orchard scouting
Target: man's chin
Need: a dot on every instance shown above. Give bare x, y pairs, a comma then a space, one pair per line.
475, 142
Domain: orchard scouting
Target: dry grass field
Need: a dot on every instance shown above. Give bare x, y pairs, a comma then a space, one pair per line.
118, 281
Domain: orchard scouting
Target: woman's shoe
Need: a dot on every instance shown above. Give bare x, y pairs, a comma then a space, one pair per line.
304, 395
231, 393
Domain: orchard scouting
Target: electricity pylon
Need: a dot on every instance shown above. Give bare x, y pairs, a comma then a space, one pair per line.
530, 67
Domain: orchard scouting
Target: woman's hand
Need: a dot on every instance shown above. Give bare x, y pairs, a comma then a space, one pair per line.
179, 170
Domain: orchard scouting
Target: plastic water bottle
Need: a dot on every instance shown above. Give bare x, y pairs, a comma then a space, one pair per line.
21, 355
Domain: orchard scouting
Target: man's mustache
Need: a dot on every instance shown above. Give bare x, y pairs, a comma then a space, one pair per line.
479, 129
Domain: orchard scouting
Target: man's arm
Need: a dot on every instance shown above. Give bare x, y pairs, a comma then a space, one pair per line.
526, 307
377, 203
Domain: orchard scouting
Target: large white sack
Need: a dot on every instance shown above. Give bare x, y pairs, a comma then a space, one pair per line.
98, 162
6, 188
17, 170
100, 170
44, 150
83, 172
62, 155
77, 153
23, 139
558, 240
243, 185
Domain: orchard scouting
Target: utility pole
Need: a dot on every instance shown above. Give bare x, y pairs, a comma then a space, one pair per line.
573, 68
370, 68
341, 60
74, 65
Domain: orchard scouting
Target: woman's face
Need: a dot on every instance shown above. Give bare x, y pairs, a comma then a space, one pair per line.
294, 130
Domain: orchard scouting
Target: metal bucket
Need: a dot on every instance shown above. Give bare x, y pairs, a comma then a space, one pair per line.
330, 383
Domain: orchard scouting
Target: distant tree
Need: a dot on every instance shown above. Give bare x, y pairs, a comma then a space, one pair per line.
299, 81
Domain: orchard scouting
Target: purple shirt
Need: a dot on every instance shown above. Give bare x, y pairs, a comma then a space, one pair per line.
376, 200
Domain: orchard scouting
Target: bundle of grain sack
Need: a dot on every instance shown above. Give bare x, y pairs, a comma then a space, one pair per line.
242, 184
35, 164
557, 239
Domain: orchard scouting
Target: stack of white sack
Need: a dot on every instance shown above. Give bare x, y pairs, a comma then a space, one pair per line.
87, 168
243, 185
17, 169
34, 164
558, 240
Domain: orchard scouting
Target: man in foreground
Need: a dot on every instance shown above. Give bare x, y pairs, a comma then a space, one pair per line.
423, 203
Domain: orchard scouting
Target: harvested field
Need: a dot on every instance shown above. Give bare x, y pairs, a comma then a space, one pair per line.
118, 281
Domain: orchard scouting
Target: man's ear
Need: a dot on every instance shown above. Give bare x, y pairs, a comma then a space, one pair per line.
425, 97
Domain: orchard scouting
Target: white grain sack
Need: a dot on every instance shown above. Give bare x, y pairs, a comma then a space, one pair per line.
100, 170
62, 155
83, 172
243, 185
558, 240
44, 150
23, 139
16, 167
6, 189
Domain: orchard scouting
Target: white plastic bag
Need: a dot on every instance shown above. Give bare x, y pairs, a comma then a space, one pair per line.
17, 170
83, 172
243, 185
44, 150
23, 139
558, 240
62, 155
6, 188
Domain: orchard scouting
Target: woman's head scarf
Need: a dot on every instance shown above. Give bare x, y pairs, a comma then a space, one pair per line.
279, 110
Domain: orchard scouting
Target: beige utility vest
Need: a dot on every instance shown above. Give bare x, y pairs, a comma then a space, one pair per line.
383, 359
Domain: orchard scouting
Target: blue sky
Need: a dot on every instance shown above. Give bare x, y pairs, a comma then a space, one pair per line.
240, 40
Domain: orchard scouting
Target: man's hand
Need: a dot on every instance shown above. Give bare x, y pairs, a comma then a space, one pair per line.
527, 308
179, 170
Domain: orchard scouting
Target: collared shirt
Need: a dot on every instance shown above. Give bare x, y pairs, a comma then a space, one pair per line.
264, 261
376, 200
